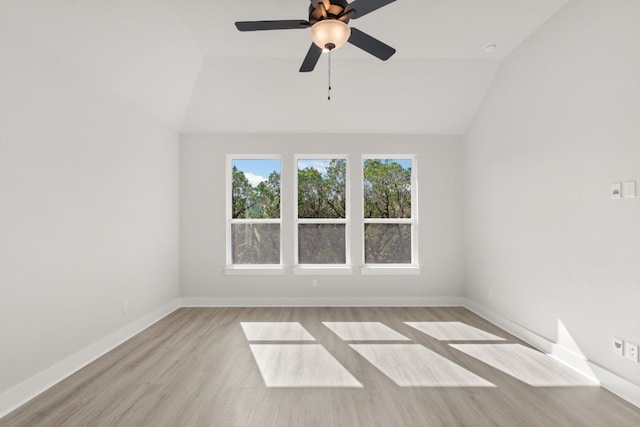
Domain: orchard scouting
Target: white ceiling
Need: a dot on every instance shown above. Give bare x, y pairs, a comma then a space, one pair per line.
184, 63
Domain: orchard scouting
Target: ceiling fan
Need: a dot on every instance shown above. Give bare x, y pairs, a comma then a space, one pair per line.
328, 21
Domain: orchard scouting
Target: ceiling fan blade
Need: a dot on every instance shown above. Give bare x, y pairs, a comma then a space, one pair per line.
271, 25
311, 59
373, 46
359, 8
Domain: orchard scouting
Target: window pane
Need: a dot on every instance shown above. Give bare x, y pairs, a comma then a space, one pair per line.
321, 244
255, 243
256, 188
322, 188
387, 243
387, 188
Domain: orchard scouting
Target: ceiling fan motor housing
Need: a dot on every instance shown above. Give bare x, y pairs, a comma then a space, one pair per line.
320, 10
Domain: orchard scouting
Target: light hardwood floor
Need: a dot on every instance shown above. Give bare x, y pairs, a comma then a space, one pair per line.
208, 367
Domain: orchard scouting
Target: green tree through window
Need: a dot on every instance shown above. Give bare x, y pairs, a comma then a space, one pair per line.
322, 211
260, 201
387, 211
255, 212
322, 195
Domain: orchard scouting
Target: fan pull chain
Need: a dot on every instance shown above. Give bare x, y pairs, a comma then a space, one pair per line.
329, 90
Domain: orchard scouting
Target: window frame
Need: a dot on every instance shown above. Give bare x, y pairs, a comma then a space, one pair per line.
232, 268
322, 268
393, 268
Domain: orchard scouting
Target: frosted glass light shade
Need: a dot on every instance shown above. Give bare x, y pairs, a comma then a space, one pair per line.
330, 32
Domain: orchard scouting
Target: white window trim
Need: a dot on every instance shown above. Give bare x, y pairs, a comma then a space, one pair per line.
400, 269
249, 269
311, 269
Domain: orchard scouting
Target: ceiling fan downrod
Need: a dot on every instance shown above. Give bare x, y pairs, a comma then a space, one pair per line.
329, 90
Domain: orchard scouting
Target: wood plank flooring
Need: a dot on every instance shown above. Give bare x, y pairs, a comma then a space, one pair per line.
196, 367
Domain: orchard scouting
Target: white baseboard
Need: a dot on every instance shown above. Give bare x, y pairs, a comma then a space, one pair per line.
607, 379
617, 385
27, 390
324, 302
524, 334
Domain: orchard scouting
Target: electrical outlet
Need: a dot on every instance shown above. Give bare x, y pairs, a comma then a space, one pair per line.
314, 283
618, 346
631, 351
629, 189
125, 306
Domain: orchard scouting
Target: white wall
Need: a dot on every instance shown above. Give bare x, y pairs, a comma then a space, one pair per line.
136, 48
88, 211
202, 232
546, 243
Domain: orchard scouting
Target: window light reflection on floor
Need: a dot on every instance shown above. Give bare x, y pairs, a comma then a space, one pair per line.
526, 364
364, 331
275, 331
300, 365
285, 364
453, 331
412, 365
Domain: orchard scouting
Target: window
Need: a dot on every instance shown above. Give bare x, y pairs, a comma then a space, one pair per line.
318, 235
389, 216
321, 230
254, 220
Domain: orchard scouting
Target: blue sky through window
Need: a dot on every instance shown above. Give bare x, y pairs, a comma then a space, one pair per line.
257, 170
320, 165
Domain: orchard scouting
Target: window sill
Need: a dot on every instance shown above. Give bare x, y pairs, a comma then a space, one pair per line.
323, 270
390, 270
250, 270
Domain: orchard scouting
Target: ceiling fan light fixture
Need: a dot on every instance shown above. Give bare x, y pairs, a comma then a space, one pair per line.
330, 34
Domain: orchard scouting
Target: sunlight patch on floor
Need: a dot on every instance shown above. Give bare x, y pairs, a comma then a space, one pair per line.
300, 365
275, 331
453, 331
526, 364
412, 365
364, 331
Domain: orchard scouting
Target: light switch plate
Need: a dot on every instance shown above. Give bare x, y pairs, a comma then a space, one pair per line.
616, 190
629, 189
631, 351
618, 346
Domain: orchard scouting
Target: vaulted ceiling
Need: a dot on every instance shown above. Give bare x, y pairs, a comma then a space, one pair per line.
184, 63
